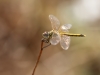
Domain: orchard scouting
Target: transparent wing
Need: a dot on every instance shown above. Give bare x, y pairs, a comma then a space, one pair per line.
65, 42
55, 22
65, 27
55, 38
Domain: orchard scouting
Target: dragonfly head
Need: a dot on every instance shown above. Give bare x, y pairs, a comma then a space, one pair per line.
45, 35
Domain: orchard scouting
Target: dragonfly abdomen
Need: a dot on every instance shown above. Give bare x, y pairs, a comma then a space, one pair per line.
73, 35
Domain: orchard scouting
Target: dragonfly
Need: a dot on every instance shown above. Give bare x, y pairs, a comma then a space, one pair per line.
58, 34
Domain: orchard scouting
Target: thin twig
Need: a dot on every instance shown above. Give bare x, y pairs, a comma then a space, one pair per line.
38, 57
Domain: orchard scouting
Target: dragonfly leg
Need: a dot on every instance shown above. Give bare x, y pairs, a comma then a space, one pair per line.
46, 46
45, 41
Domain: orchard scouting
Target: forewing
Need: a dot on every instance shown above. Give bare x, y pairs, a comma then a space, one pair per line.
65, 42
55, 22
55, 38
65, 27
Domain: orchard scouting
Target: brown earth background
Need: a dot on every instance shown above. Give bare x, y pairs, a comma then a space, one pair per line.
22, 23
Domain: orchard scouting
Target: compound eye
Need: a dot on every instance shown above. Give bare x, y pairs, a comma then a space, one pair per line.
45, 35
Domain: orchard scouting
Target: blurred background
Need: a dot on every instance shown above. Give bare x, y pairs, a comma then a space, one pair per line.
22, 23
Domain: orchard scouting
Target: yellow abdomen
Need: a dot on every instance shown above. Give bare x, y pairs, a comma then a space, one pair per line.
74, 35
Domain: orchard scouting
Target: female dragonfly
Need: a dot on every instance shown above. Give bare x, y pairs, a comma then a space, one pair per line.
59, 34
56, 35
